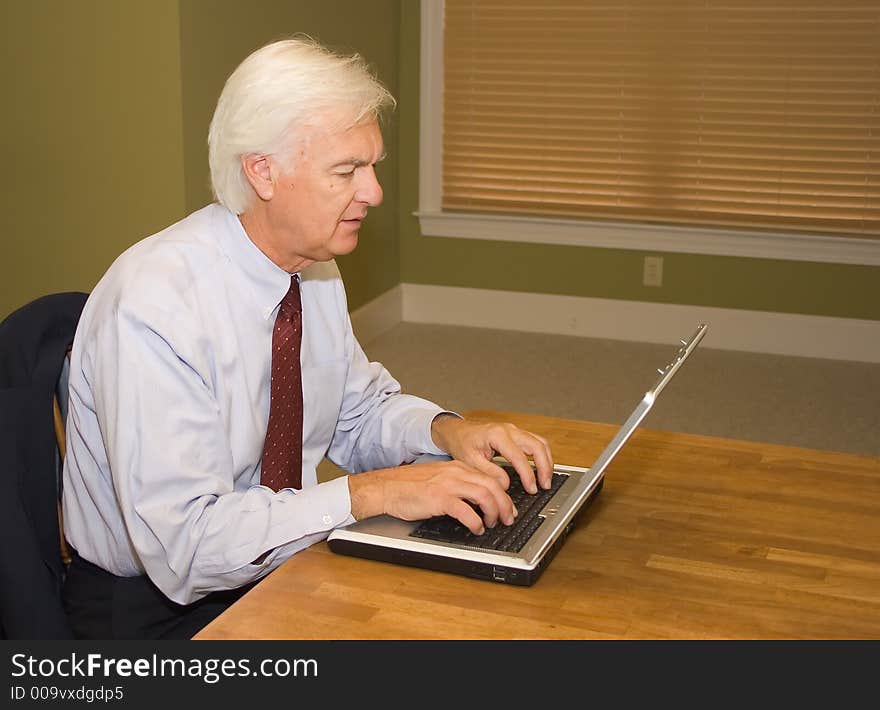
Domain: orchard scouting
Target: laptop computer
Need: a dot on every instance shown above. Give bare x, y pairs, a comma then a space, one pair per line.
515, 554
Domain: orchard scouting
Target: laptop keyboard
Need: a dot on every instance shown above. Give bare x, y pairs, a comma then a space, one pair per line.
506, 538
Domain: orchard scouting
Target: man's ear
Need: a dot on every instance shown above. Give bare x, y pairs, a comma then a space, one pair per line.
259, 171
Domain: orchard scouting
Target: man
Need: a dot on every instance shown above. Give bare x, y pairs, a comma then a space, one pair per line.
214, 366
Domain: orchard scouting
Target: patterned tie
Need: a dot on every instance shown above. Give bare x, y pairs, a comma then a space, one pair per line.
282, 452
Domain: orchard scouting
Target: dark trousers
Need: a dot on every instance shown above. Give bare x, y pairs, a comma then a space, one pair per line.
103, 606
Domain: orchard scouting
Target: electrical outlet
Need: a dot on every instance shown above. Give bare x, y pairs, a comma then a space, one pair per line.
652, 274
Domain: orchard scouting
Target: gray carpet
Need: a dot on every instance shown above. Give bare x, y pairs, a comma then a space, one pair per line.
822, 404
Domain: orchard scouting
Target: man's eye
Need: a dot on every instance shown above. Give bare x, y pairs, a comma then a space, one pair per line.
347, 174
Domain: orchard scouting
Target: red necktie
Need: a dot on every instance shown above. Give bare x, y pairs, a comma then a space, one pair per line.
282, 452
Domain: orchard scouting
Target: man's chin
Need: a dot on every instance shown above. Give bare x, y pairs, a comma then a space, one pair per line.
345, 245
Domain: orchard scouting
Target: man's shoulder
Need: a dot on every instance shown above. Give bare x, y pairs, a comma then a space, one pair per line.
185, 244
180, 252
160, 270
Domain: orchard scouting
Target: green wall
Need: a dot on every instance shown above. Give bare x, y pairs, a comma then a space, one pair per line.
91, 138
104, 142
727, 282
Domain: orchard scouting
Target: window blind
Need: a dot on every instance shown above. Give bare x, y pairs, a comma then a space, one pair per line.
760, 114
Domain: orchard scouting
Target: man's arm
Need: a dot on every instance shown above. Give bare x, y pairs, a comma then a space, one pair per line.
378, 426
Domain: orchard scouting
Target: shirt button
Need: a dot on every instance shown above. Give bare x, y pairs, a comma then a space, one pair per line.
328, 520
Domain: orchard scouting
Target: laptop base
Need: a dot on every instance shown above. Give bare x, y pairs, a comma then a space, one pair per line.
468, 568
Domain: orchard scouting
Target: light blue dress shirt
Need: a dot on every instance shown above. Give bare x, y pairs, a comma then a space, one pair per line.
169, 402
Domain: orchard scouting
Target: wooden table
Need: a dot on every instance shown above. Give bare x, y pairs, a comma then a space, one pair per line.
692, 537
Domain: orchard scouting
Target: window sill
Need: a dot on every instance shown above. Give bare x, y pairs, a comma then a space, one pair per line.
644, 237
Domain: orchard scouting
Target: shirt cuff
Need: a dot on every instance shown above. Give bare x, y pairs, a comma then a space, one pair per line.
332, 502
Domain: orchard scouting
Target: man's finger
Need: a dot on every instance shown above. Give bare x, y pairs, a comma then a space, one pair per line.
491, 469
539, 449
466, 515
494, 503
513, 452
515, 445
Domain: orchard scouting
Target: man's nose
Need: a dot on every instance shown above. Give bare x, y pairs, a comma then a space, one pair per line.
369, 190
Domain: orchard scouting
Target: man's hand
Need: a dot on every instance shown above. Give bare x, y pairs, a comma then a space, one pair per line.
447, 487
476, 444
428, 489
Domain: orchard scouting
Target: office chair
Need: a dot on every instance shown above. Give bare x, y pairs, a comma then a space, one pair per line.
34, 341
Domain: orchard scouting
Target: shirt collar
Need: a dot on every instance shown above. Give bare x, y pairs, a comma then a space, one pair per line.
268, 282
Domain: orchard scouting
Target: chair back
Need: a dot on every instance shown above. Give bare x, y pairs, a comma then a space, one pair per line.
34, 341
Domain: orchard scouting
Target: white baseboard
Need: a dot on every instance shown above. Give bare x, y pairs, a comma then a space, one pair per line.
729, 329
381, 314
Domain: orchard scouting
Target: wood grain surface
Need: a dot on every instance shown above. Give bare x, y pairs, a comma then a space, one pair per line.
692, 537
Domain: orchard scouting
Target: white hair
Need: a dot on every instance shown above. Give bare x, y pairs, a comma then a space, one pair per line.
280, 86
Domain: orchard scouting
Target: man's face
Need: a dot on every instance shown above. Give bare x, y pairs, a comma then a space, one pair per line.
319, 203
